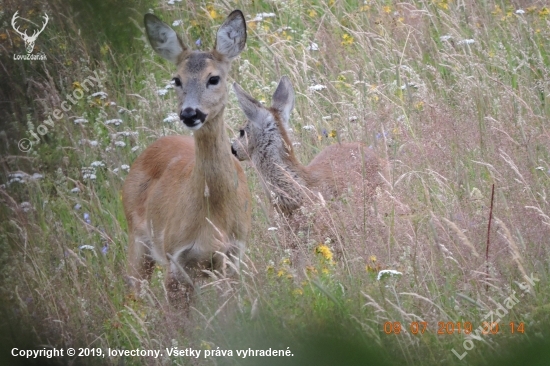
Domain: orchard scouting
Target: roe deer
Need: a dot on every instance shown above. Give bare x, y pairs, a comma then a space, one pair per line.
264, 140
186, 199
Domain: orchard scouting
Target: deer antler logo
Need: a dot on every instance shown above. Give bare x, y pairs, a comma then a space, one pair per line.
29, 40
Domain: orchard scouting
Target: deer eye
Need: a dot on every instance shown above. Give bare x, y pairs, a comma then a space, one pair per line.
214, 80
241, 132
177, 81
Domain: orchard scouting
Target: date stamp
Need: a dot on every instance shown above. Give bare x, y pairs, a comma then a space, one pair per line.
453, 328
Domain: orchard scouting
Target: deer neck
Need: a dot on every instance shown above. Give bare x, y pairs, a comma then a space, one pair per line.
214, 172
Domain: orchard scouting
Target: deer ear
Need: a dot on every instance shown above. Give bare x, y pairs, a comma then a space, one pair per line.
283, 99
163, 39
231, 37
252, 109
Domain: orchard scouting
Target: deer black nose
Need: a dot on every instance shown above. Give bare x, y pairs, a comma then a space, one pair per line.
233, 151
188, 113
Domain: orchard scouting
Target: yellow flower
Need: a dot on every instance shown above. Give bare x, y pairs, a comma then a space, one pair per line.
312, 13
544, 12
331, 2
281, 273
419, 105
332, 133
298, 292
347, 40
76, 85
320, 137
324, 251
364, 8
372, 258
325, 270
269, 269
212, 12
286, 261
387, 9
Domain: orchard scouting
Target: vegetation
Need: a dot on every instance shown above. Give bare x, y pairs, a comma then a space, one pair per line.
452, 93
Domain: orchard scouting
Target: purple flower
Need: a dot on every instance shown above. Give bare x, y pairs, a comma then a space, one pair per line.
105, 248
198, 42
87, 218
325, 133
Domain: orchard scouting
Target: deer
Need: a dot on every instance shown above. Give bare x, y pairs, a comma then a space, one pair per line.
29, 40
264, 140
186, 199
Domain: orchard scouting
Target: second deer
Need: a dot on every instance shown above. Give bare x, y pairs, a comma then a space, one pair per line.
264, 140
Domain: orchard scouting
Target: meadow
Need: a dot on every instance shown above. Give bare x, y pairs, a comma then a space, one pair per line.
452, 93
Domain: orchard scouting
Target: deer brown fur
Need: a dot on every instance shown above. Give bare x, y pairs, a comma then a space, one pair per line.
264, 140
186, 199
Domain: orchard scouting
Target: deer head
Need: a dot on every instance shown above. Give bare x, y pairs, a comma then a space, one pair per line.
29, 40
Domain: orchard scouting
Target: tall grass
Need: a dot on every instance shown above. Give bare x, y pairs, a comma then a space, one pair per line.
453, 94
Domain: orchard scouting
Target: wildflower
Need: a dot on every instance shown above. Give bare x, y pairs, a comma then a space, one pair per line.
80, 120
120, 143
100, 95
176, 22
135, 148
198, 42
105, 248
213, 13
75, 190
445, 38
325, 132
312, 13
325, 270
332, 134
298, 292
281, 273
520, 11
387, 9
89, 176
125, 167
260, 16
272, 228
86, 247
372, 258
317, 87
466, 41
388, 272
324, 251
347, 40
309, 127
25, 206
77, 207
544, 12
115, 122
172, 117
162, 91
97, 163
313, 47
76, 85
86, 217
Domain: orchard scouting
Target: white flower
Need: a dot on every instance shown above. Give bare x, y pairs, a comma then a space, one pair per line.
87, 247
260, 16
115, 170
80, 120
313, 47
135, 148
36, 176
317, 87
445, 38
352, 118
97, 163
25, 206
75, 190
271, 228
115, 122
389, 272
125, 167
172, 117
466, 41
309, 127
89, 176
176, 23
78, 206
162, 92
120, 143
520, 11
101, 95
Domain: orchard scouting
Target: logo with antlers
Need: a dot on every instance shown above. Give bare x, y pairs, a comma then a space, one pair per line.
29, 40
